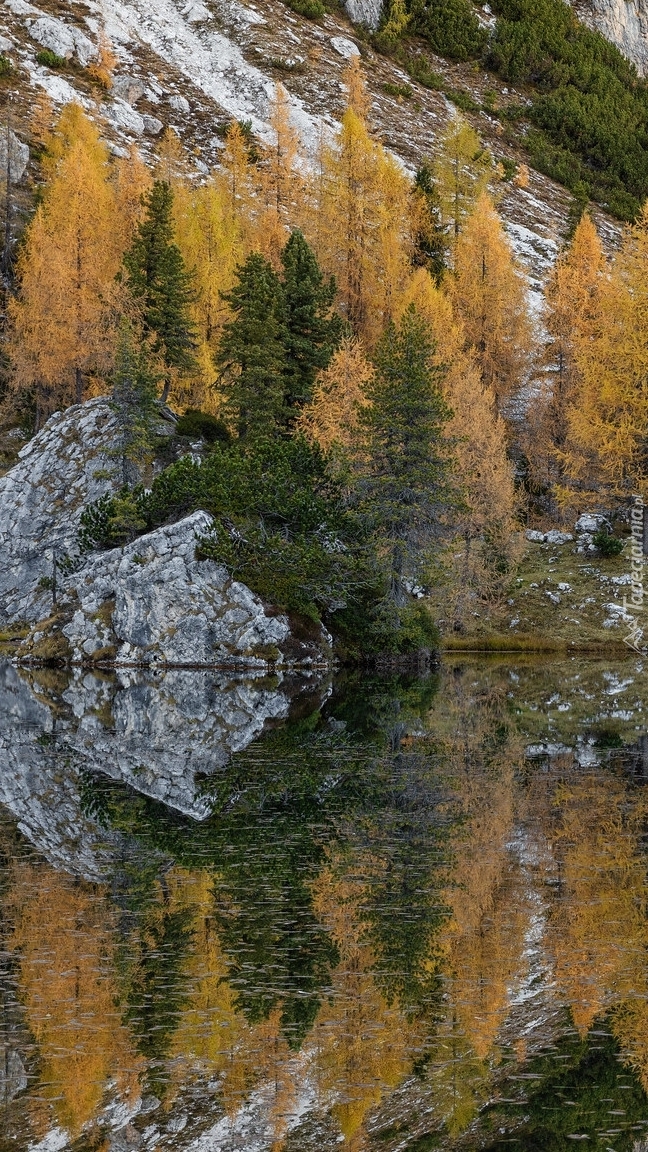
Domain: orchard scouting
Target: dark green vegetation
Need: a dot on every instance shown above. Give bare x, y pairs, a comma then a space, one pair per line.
49, 59
587, 123
450, 26
341, 545
577, 1091
158, 280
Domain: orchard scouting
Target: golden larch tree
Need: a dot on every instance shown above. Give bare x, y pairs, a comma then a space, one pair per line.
333, 415
571, 315
607, 420
462, 169
360, 218
60, 324
490, 296
210, 240
487, 540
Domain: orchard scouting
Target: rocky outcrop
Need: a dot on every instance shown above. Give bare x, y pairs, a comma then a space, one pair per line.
18, 156
151, 602
65, 40
64, 467
365, 12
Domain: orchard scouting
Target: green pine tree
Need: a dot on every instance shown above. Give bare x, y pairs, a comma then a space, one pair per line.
431, 240
157, 277
407, 484
133, 399
314, 333
252, 351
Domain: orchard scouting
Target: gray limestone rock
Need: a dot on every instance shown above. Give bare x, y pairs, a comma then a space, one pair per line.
365, 12
63, 39
18, 156
66, 465
151, 602
154, 603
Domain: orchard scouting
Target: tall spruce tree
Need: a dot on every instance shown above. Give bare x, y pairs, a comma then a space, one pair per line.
157, 277
407, 485
133, 399
252, 351
313, 333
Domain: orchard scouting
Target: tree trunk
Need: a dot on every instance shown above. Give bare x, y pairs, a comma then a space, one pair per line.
78, 382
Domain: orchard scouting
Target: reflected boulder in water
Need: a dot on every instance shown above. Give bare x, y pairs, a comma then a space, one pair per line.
160, 737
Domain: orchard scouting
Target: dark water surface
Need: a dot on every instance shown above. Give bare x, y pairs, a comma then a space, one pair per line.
302, 914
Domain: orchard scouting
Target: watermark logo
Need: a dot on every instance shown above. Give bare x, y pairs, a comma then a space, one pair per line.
635, 603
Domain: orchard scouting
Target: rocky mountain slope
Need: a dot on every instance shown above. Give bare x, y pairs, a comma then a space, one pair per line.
195, 65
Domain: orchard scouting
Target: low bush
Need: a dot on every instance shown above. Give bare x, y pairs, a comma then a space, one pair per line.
196, 425
607, 544
312, 9
450, 26
49, 59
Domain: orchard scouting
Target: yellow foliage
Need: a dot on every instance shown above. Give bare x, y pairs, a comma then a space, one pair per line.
490, 297
65, 938
61, 322
572, 314
608, 416
332, 417
360, 219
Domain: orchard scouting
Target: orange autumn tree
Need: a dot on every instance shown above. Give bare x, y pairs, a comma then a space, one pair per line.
359, 218
61, 333
486, 543
490, 296
333, 416
606, 420
572, 314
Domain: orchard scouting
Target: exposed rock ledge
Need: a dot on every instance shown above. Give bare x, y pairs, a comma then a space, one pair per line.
151, 602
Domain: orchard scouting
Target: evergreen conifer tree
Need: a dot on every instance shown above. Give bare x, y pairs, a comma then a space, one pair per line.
157, 277
407, 485
133, 398
252, 351
313, 334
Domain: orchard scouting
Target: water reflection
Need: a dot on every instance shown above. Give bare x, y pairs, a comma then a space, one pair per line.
251, 914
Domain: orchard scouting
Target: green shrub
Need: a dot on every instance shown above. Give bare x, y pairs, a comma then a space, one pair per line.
313, 9
398, 90
462, 99
450, 26
6, 67
607, 544
590, 114
510, 168
195, 424
421, 70
49, 59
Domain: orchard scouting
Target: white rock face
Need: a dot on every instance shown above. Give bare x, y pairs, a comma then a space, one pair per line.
624, 22
365, 12
18, 156
156, 604
64, 39
41, 499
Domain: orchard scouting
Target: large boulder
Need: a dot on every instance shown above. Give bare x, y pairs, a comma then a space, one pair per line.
69, 463
64, 40
152, 602
366, 12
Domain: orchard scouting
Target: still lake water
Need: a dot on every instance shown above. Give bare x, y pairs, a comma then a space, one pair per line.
302, 914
